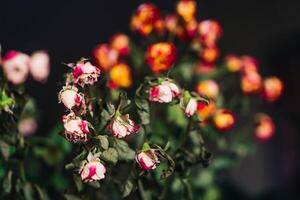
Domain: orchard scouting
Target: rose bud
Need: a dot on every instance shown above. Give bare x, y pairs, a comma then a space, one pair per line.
27, 126
209, 88
210, 31
92, 169
209, 54
120, 42
206, 111
272, 89
76, 129
16, 67
164, 93
40, 66
224, 120
249, 64
251, 83
206, 68
121, 126
233, 63
105, 56
265, 128
191, 107
161, 56
71, 98
85, 74
120, 75
145, 18
186, 9
147, 158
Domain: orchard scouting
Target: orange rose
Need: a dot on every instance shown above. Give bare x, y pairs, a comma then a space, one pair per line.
272, 89
120, 75
186, 9
224, 120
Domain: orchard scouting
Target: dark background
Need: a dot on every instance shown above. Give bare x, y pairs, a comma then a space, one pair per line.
267, 30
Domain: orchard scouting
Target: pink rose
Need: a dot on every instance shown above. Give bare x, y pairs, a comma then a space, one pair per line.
164, 93
16, 67
85, 74
70, 97
122, 126
147, 160
40, 66
76, 129
191, 107
92, 169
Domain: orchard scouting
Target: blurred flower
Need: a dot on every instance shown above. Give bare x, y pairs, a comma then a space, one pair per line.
233, 63
209, 88
191, 28
147, 158
71, 98
265, 128
272, 88
122, 126
145, 19
164, 93
16, 67
76, 129
206, 111
249, 64
105, 56
210, 31
92, 169
120, 75
120, 42
27, 126
223, 120
251, 82
209, 54
161, 56
171, 23
186, 9
40, 66
85, 74
205, 68
191, 107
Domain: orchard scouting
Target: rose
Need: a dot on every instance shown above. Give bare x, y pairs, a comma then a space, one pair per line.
76, 129
265, 128
147, 158
224, 120
186, 9
164, 93
122, 126
16, 67
191, 107
209, 88
251, 82
27, 126
70, 97
92, 169
120, 76
39, 66
272, 89
105, 56
85, 74
210, 31
120, 42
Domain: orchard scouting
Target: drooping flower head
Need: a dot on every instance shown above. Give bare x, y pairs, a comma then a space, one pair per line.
210, 31
161, 56
84, 73
120, 76
105, 56
16, 67
265, 128
76, 129
188, 103
272, 89
147, 158
120, 42
164, 92
186, 9
146, 19
209, 88
92, 169
40, 66
224, 120
122, 126
72, 99
233, 63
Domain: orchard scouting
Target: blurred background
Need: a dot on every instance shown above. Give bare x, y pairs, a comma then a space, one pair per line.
267, 30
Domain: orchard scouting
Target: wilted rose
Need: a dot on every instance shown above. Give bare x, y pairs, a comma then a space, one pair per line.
122, 126
92, 169
191, 107
164, 93
147, 159
85, 74
71, 98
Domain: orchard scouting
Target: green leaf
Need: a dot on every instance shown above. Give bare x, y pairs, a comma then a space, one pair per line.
125, 153
42, 194
78, 182
176, 115
28, 191
143, 109
71, 197
103, 141
124, 102
7, 182
110, 155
